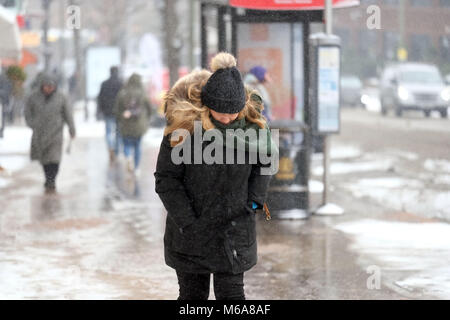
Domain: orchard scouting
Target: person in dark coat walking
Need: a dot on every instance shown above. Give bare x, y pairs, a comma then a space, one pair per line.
210, 225
105, 101
46, 112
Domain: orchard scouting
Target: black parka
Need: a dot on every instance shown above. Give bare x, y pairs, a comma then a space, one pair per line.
108, 94
210, 226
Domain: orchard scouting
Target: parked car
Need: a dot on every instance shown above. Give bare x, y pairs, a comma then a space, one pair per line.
447, 80
447, 83
351, 87
413, 86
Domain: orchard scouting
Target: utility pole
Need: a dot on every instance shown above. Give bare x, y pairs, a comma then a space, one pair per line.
172, 41
329, 16
62, 40
45, 26
402, 53
326, 142
80, 88
192, 33
402, 23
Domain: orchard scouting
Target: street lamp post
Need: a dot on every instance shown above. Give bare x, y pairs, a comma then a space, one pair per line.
45, 27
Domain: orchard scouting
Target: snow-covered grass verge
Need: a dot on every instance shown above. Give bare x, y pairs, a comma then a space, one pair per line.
419, 251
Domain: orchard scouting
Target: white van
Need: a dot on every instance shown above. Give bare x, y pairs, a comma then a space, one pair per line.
413, 86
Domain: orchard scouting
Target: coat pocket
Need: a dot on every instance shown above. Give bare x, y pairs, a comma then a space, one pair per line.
244, 226
193, 240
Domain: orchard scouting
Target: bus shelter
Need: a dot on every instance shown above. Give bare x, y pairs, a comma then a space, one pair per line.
274, 34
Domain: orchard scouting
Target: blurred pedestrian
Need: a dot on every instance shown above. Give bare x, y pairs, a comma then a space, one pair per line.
105, 105
210, 226
17, 77
257, 78
5, 88
5, 95
133, 111
46, 113
73, 87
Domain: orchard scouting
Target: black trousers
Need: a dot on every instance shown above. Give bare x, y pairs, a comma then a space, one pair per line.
50, 171
196, 286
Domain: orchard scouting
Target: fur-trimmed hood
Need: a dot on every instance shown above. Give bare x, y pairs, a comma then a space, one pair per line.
182, 105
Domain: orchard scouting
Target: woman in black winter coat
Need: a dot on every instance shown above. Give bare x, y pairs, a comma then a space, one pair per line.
210, 226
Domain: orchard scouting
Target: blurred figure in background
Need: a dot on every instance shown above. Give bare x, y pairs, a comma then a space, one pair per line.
133, 111
17, 77
73, 87
5, 94
256, 78
105, 104
5, 88
46, 112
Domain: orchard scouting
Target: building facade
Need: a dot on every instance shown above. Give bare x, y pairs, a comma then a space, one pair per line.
422, 27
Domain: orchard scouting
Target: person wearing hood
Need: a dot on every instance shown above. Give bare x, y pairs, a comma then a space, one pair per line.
210, 225
133, 111
46, 113
257, 78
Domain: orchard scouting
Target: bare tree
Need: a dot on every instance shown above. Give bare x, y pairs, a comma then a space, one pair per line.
112, 19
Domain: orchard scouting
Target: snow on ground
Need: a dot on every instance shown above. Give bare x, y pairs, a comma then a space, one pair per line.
420, 251
337, 168
403, 194
14, 151
339, 152
438, 166
153, 137
345, 152
36, 272
424, 192
442, 179
315, 186
16, 139
90, 128
4, 182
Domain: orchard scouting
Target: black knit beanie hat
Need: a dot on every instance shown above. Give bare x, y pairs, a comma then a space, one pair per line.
224, 92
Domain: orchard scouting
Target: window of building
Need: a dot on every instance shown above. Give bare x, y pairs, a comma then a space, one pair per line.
391, 42
367, 42
445, 47
368, 2
391, 2
421, 3
421, 47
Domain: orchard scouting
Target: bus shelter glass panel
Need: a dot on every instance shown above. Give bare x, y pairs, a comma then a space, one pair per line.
279, 48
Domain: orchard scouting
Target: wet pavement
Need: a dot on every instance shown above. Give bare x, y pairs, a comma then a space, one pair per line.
101, 236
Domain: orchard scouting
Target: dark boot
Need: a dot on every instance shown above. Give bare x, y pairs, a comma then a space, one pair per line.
51, 171
50, 187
